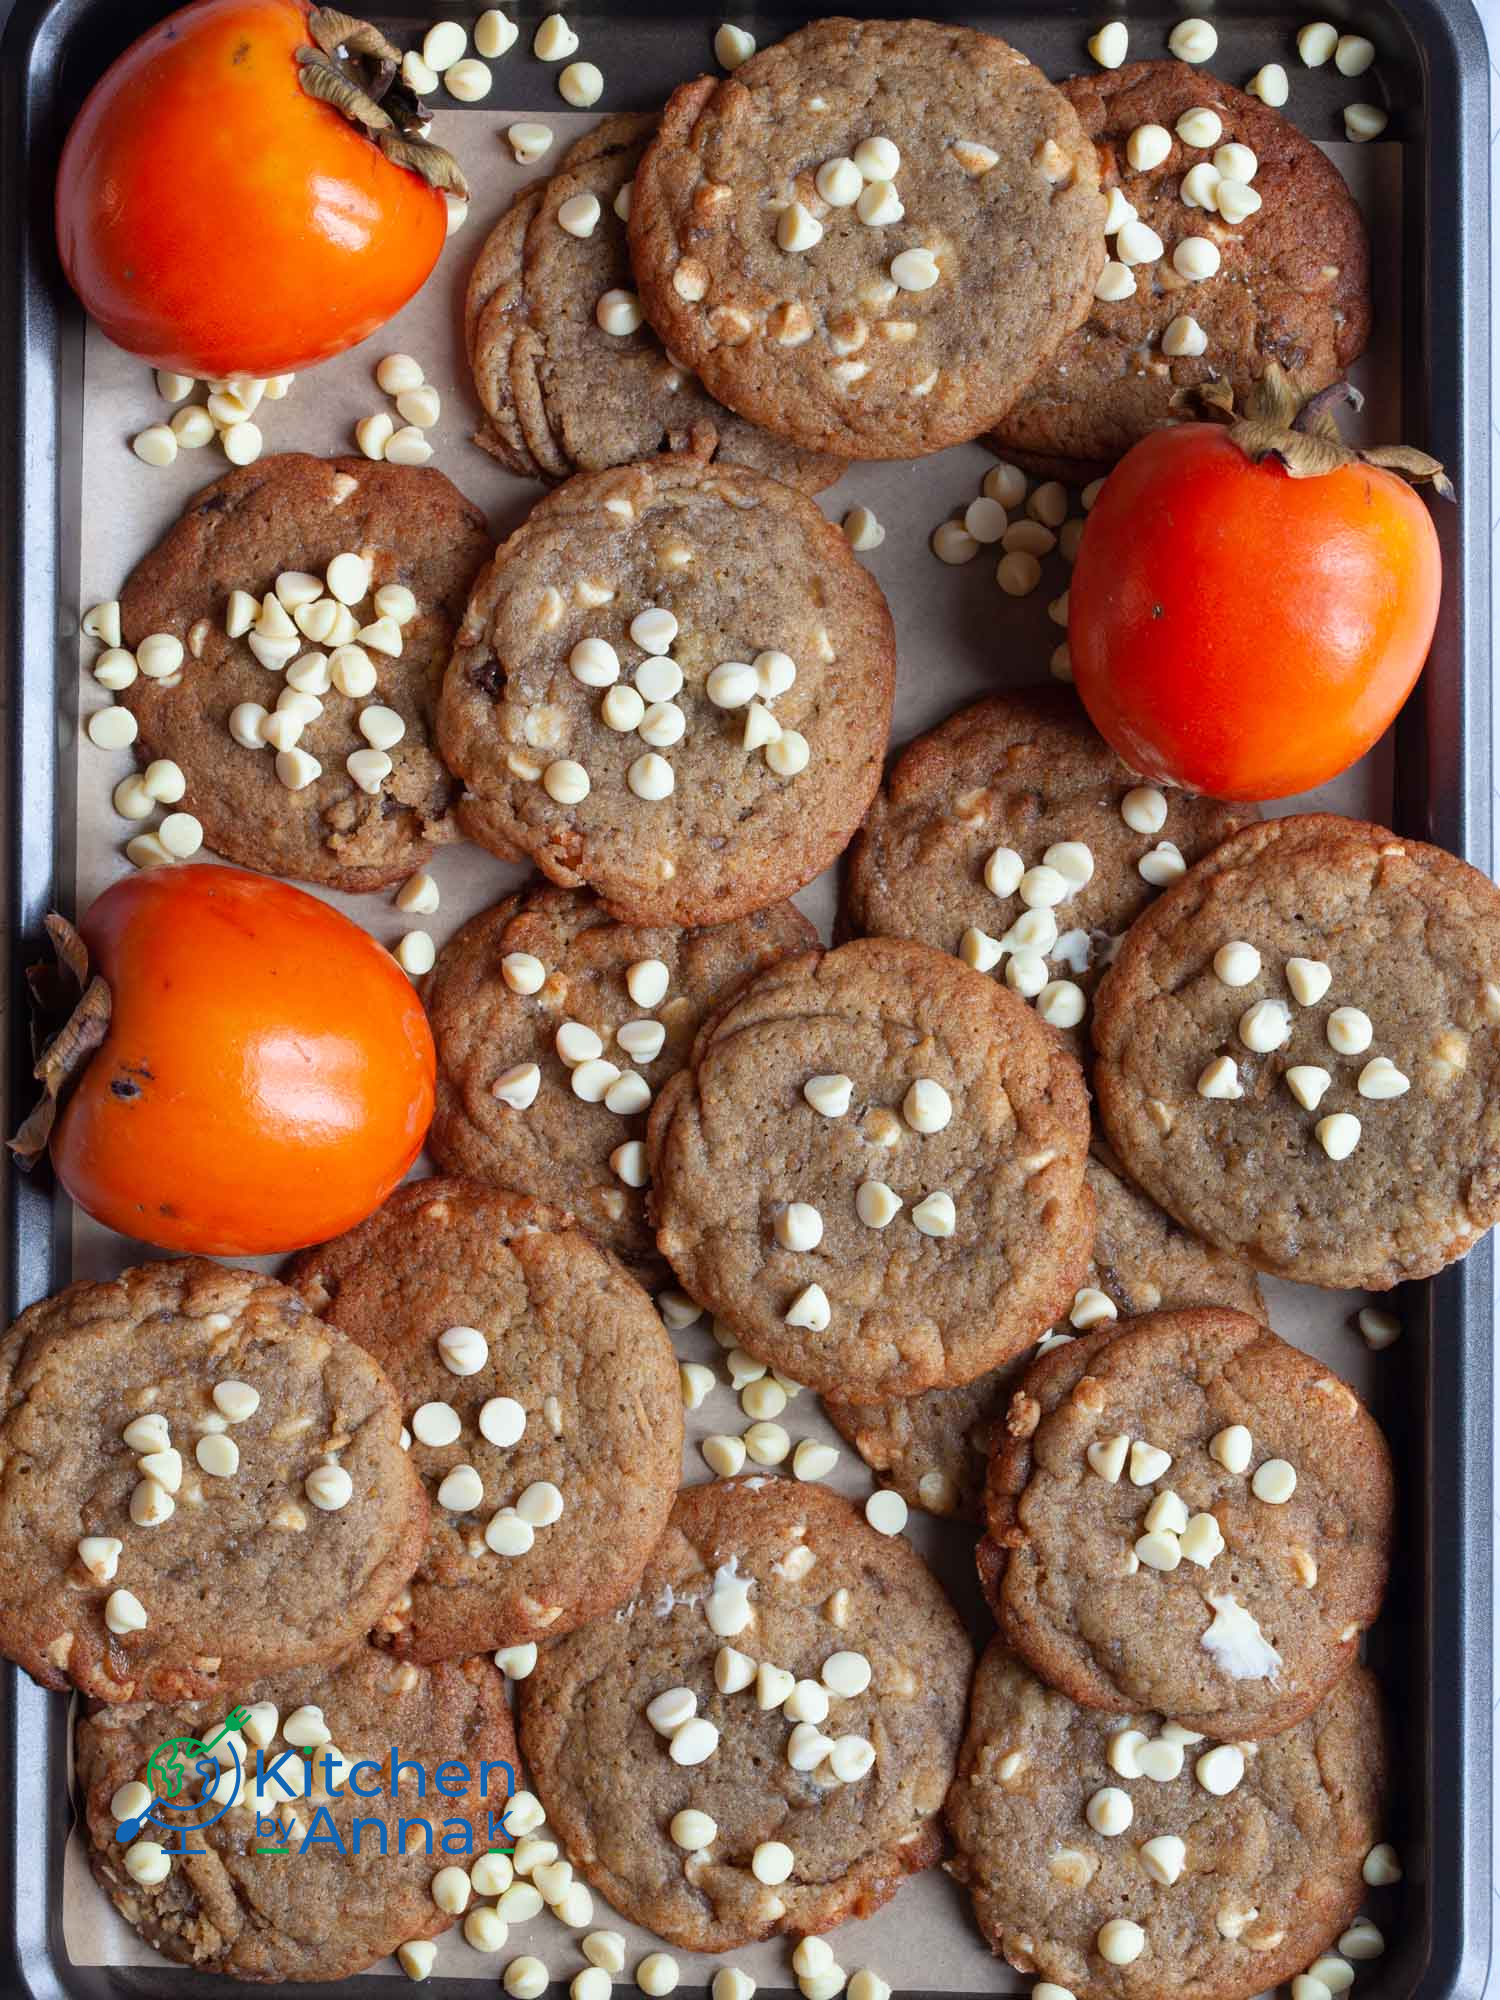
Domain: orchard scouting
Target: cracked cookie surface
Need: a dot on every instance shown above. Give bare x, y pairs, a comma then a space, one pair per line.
943, 1095
1334, 1113
562, 395
943, 207
935, 1448
294, 514
203, 1516
316, 1913
674, 684
1189, 1515
793, 1579
540, 1392
1292, 284
497, 1122
1231, 1893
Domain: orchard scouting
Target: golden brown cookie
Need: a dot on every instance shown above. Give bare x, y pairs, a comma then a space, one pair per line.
764, 1604
872, 1169
1014, 836
935, 1448
674, 683
202, 1482
871, 236
1299, 1052
1192, 1516
366, 686
541, 1401
517, 1106
360, 1886
562, 394
1291, 284
1090, 1874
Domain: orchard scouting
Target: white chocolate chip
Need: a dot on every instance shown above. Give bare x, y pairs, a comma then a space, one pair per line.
1309, 979
1137, 243
1221, 1769
1338, 1134
529, 141
1220, 1079
935, 1214
1381, 1079
1163, 865
1353, 55
1382, 1866
1115, 282
886, 1512
1196, 258
1363, 122
1201, 126
1236, 202
1184, 337
1120, 1942
915, 270
1106, 1457
1316, 43
1148, 1463
581, 84
1109, 1811
1265, 1026
1091, 1307
619, 313
1380, 1328
1270, 85
1110, 45
1202, 1540
1275, 1482
1144, 809
724, 1454
1349, 1031
733, 46
879, 205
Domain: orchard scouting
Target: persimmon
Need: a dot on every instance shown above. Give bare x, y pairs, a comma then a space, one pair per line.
250, 1071
1251, 605
245, 191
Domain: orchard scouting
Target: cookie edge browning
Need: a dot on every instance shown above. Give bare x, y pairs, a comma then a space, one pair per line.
1076, 470
98, 1823
1114, 1005
164, 1682
485, 820
872, 1883
1055, 1375
654, 247
671, 1101
1365, 1726
531, 1215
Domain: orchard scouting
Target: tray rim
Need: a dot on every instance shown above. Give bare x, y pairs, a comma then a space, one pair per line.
1445, 737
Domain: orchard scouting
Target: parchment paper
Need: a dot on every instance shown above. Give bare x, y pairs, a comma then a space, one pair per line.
959, 637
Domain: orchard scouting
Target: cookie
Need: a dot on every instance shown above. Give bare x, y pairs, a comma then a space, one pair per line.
1290, 279
934, 1449
872, 1169
666, 1744
1188, 1515
1013, 835
562, 394
269, 532
674, 683
513, 1110
541, 1399
870, 237
362, 1886
1366, 1016
203, 1482
1194, 1890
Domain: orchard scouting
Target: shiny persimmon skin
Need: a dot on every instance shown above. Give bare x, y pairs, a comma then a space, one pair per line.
1238, 632
268, 1073
217, 220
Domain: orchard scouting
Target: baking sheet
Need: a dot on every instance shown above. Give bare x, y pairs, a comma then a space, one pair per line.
958, 636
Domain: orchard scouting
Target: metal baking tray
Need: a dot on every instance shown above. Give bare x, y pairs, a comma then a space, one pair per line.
1433, 1644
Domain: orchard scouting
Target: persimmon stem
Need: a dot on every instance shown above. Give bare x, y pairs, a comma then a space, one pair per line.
358, 71
62, 1055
